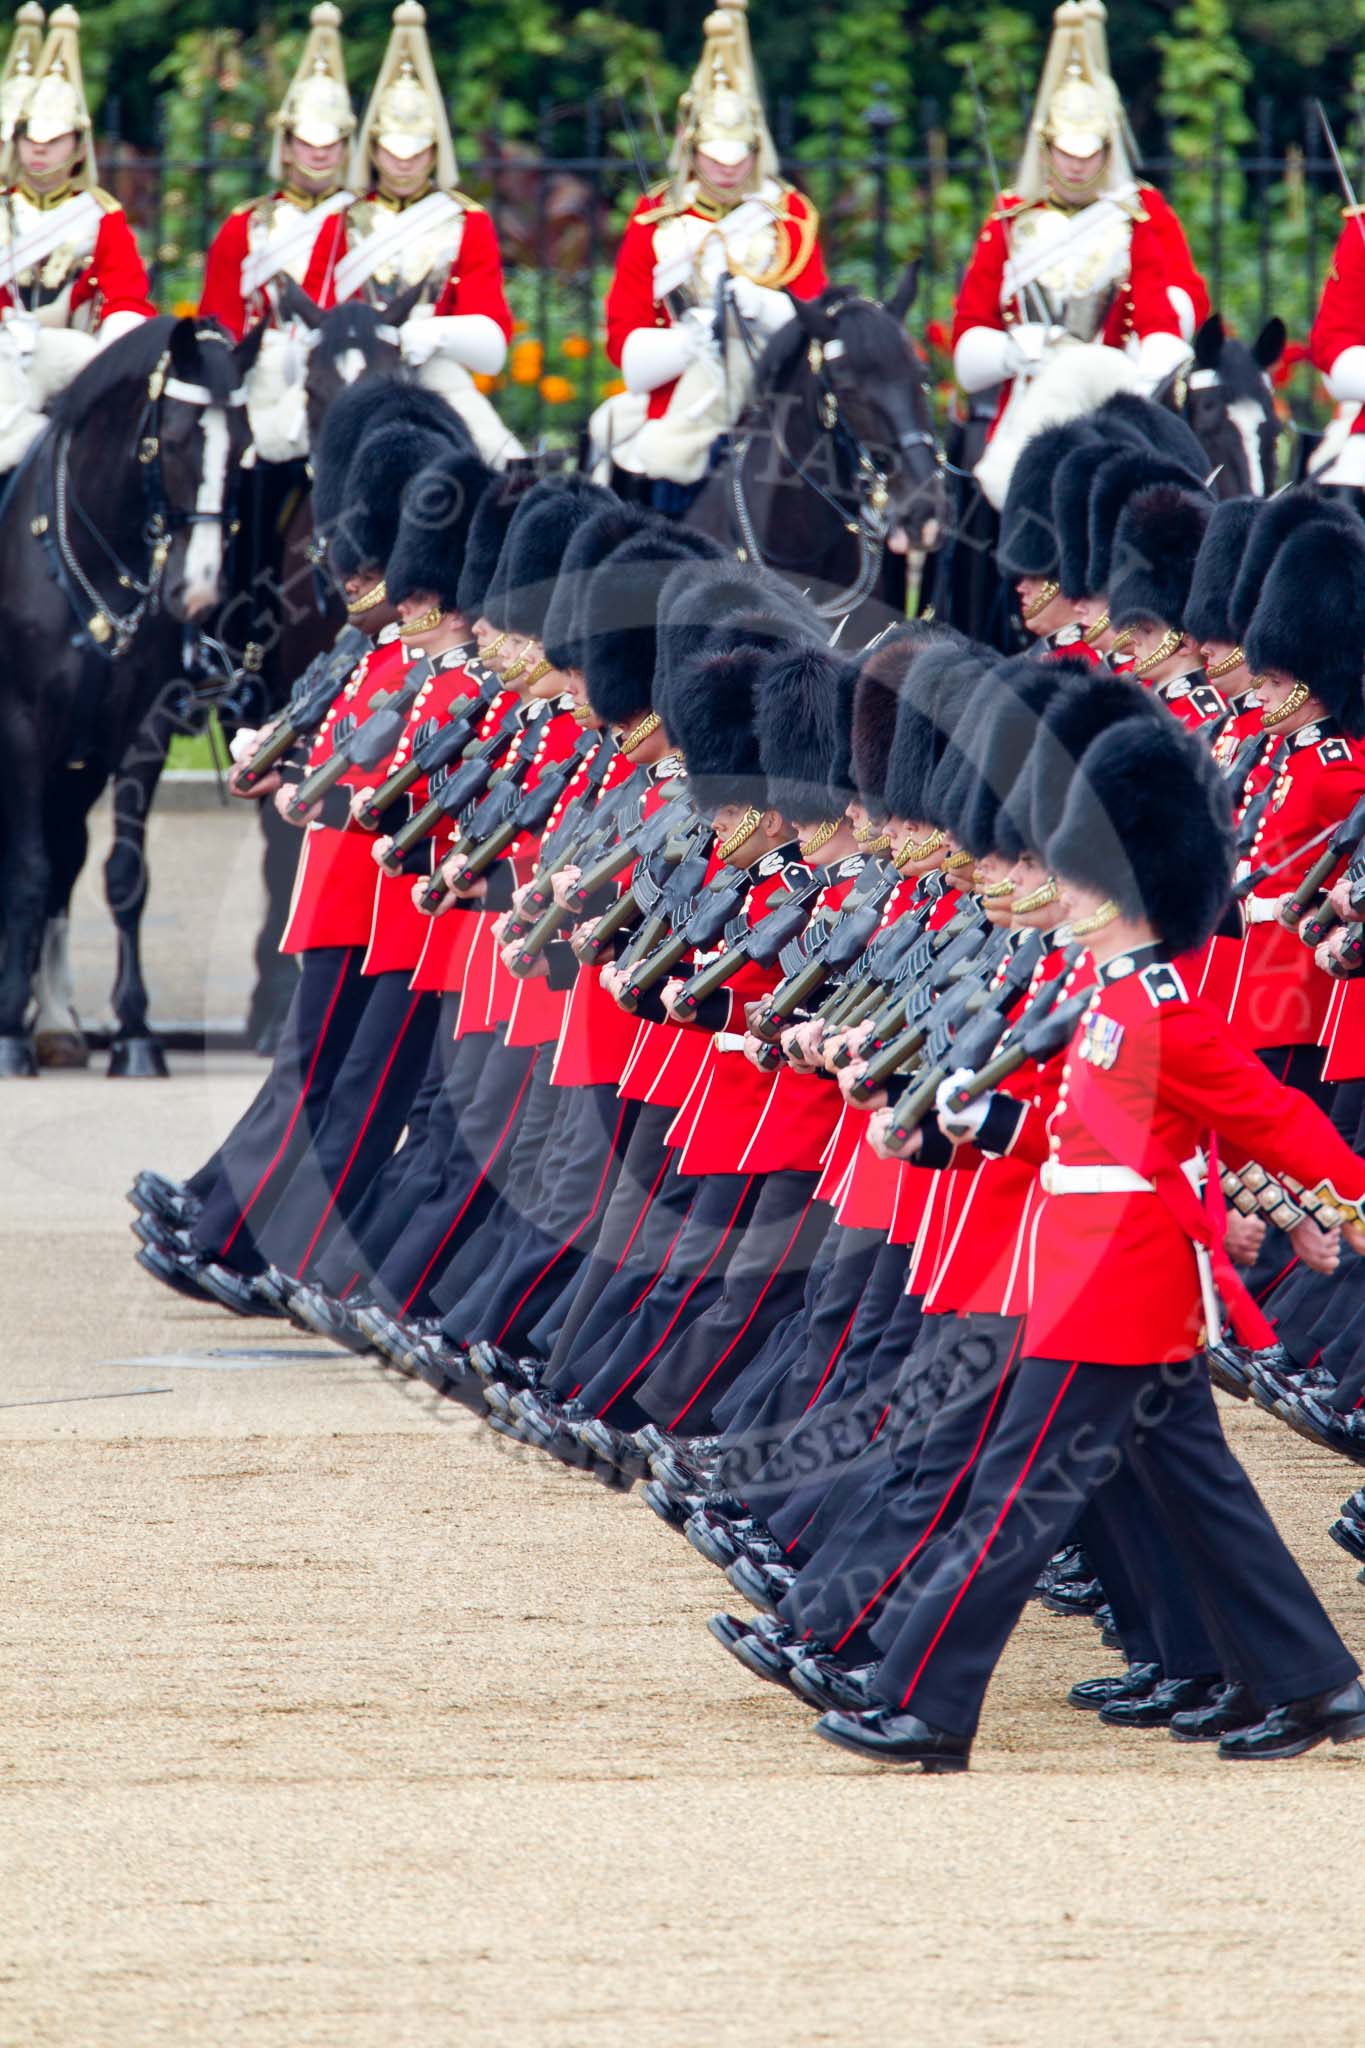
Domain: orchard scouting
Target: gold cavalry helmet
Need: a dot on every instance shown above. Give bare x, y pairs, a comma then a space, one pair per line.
56, 105
317, 107
1078, 109
721, 113
21, 65
406, 113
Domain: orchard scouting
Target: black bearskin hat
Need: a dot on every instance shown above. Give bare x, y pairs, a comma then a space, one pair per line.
878, 680
1148, 821
1156, 543
487, 531
995, 739
1085, 703
386, 460
1071, 488
535, 546
618, 623
710, 717
699, 601
592, 543
797, 719
438, 506
1121, 478
1145, 424
1208, 615
934, 695
1309, 621
373, 402
1276, 520
1028, 532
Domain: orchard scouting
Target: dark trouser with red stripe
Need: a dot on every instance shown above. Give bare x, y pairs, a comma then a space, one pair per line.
641, 1220
764, 1280
814, 1337
254, 1164
542, 1258
1058, 1438
367, 1108
488, 1087
689, 1282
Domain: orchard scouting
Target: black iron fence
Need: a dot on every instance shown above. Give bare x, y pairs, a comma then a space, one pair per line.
1262, 223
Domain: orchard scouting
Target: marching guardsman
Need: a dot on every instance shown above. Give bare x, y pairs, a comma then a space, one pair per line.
1078, 249
67, 253
723, 218
273, 236
412, 227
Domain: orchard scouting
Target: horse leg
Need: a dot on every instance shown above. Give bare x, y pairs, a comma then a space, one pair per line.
135, 1054
57, 1033
23, 895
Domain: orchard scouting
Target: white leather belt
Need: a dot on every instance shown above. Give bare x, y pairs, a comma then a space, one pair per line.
1263, 909
729, 1041
1092, 1180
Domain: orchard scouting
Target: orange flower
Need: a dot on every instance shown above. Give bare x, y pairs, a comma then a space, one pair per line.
556, 390
485, 383
614, 388
184, 309
576, 347
526, 362
518, 327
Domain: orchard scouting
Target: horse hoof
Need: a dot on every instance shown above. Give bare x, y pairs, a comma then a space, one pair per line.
18, 1060
61, 1049
137, 1059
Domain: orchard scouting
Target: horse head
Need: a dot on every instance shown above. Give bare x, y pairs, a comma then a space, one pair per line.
874, 382
1230, 407
193, 436
347, 342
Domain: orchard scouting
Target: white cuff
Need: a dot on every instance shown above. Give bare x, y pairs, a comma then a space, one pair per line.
473, 340
1346, 378
982, 357
653, 356
1182, 305
1160, 355
115, 324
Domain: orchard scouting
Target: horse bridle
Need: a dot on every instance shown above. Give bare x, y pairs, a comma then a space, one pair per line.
871, 484
111, 633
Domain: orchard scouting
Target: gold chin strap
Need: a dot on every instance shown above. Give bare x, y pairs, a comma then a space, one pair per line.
492, 648
514, 669
745, 829
425, 621
1100, 626
541, 669
880, 842
1038, 604
957, 861
1226, 665
1295, 701
996, 892
638, 734
357, 607
821, 836
1120, 640
1166, 646
922, 849
1086, 927
1039, 898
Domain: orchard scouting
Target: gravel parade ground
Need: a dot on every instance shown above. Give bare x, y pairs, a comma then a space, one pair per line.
330, 1718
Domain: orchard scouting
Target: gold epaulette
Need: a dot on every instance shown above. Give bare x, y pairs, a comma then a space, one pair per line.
469, 205
662, 208
1010, 209
105, 201
1355, 212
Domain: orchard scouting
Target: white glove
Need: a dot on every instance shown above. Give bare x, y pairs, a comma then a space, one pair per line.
1030, 343
1182, 305
471, 339
1160, 356
982, 358
760, 306
656, 355
115, 324
960, 1123
242, 745
1346, 378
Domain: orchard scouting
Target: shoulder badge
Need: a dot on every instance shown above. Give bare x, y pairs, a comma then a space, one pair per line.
1207, 700
1333, 752
1163, 984
794, 872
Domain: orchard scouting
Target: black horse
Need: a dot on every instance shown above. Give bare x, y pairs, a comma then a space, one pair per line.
833, 472
112, 539
1229, 405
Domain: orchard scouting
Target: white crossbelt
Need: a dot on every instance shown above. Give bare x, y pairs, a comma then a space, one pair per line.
282, 249
1058, 1179
1263, 909
66, 223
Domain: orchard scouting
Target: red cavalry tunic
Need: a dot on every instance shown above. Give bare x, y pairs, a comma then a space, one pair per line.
1340, 321
105, 272
473, 280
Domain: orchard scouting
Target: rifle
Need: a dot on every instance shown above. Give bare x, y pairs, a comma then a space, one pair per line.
367, 744
918, 953
491, 816
455, 794
696, 923
975, 1038
438, 751
310, 700
591, 820
843, 938
1046, 1028
480, 847
1343, 842
759, 945
956, 990
643, 892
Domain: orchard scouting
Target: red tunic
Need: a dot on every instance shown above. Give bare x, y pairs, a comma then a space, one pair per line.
1165, 1065
114, 278
631, 303
1340, 322
474, 284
